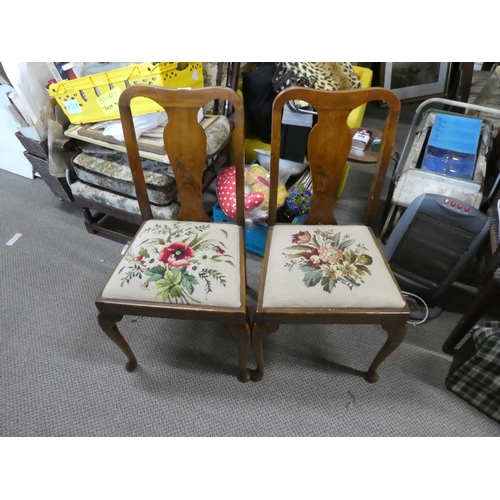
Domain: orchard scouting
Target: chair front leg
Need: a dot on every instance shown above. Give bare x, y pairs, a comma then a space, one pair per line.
396, 334
108, 325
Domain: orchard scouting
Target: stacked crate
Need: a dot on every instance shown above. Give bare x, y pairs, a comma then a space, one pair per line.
37, 154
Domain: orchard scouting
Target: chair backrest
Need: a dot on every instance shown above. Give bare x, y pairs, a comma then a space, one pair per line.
185, 144
329, 145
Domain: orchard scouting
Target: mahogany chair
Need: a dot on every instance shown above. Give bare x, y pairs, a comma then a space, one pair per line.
189, 268
320, 272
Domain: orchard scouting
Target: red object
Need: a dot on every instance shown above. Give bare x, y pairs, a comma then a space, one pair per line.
225, 187
453, 203
68, 67
263, 181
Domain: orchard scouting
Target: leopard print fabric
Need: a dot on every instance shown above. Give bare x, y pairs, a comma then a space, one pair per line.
319, 75
344, 73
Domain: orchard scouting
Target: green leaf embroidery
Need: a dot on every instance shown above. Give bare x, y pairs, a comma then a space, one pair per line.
364, 259
155, 270
328, 284
198, 241
188, 281
295, 255
362, 270
299, 247
173, 277
349, 257
313, 277
336, 240
345, 244
176, 291
217, 275
153, 276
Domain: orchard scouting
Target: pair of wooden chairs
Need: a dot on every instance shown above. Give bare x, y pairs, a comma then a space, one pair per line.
193, 268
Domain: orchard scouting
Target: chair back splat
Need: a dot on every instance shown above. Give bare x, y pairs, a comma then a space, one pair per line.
321, 272
185, 144
329, 145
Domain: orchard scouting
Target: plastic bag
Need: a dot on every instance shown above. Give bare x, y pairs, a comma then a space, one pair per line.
287, 168
142, 124
257, 180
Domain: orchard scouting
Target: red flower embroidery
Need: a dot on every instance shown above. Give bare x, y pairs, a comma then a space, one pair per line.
302, 237
176, 254
218, 249
312, 257
139, 257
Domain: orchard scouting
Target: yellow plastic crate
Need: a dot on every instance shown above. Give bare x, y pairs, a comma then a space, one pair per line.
95, 98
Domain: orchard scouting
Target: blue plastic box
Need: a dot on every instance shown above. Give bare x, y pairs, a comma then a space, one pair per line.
453, 145
255, 234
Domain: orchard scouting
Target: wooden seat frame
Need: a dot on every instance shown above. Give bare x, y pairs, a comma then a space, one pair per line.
185, 144
328, 148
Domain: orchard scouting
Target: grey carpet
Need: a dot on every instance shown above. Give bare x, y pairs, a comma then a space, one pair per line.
61, 376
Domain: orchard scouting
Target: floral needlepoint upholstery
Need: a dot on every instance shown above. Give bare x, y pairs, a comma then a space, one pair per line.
180, 262
327, 266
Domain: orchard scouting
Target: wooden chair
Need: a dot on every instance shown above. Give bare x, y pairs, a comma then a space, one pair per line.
189, 268
320, 272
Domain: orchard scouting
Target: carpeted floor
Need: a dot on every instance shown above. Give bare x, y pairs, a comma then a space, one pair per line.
61, 376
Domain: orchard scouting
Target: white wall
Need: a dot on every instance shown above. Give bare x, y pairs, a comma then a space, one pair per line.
12, 156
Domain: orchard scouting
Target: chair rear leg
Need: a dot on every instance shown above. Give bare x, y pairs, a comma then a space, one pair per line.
259, 332
396, 334
242, 333
108, 325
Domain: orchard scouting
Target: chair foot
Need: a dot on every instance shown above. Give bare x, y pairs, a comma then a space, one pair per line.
259, 332
256, 375
371, 377
130, 366
395, 336
108, 326
244, 377
242, 333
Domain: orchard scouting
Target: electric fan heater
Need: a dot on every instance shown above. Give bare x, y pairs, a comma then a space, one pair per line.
433, 242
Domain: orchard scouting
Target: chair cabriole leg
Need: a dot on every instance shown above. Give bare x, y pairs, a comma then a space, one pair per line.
108, 325
396, 334
259, 332
242, 333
